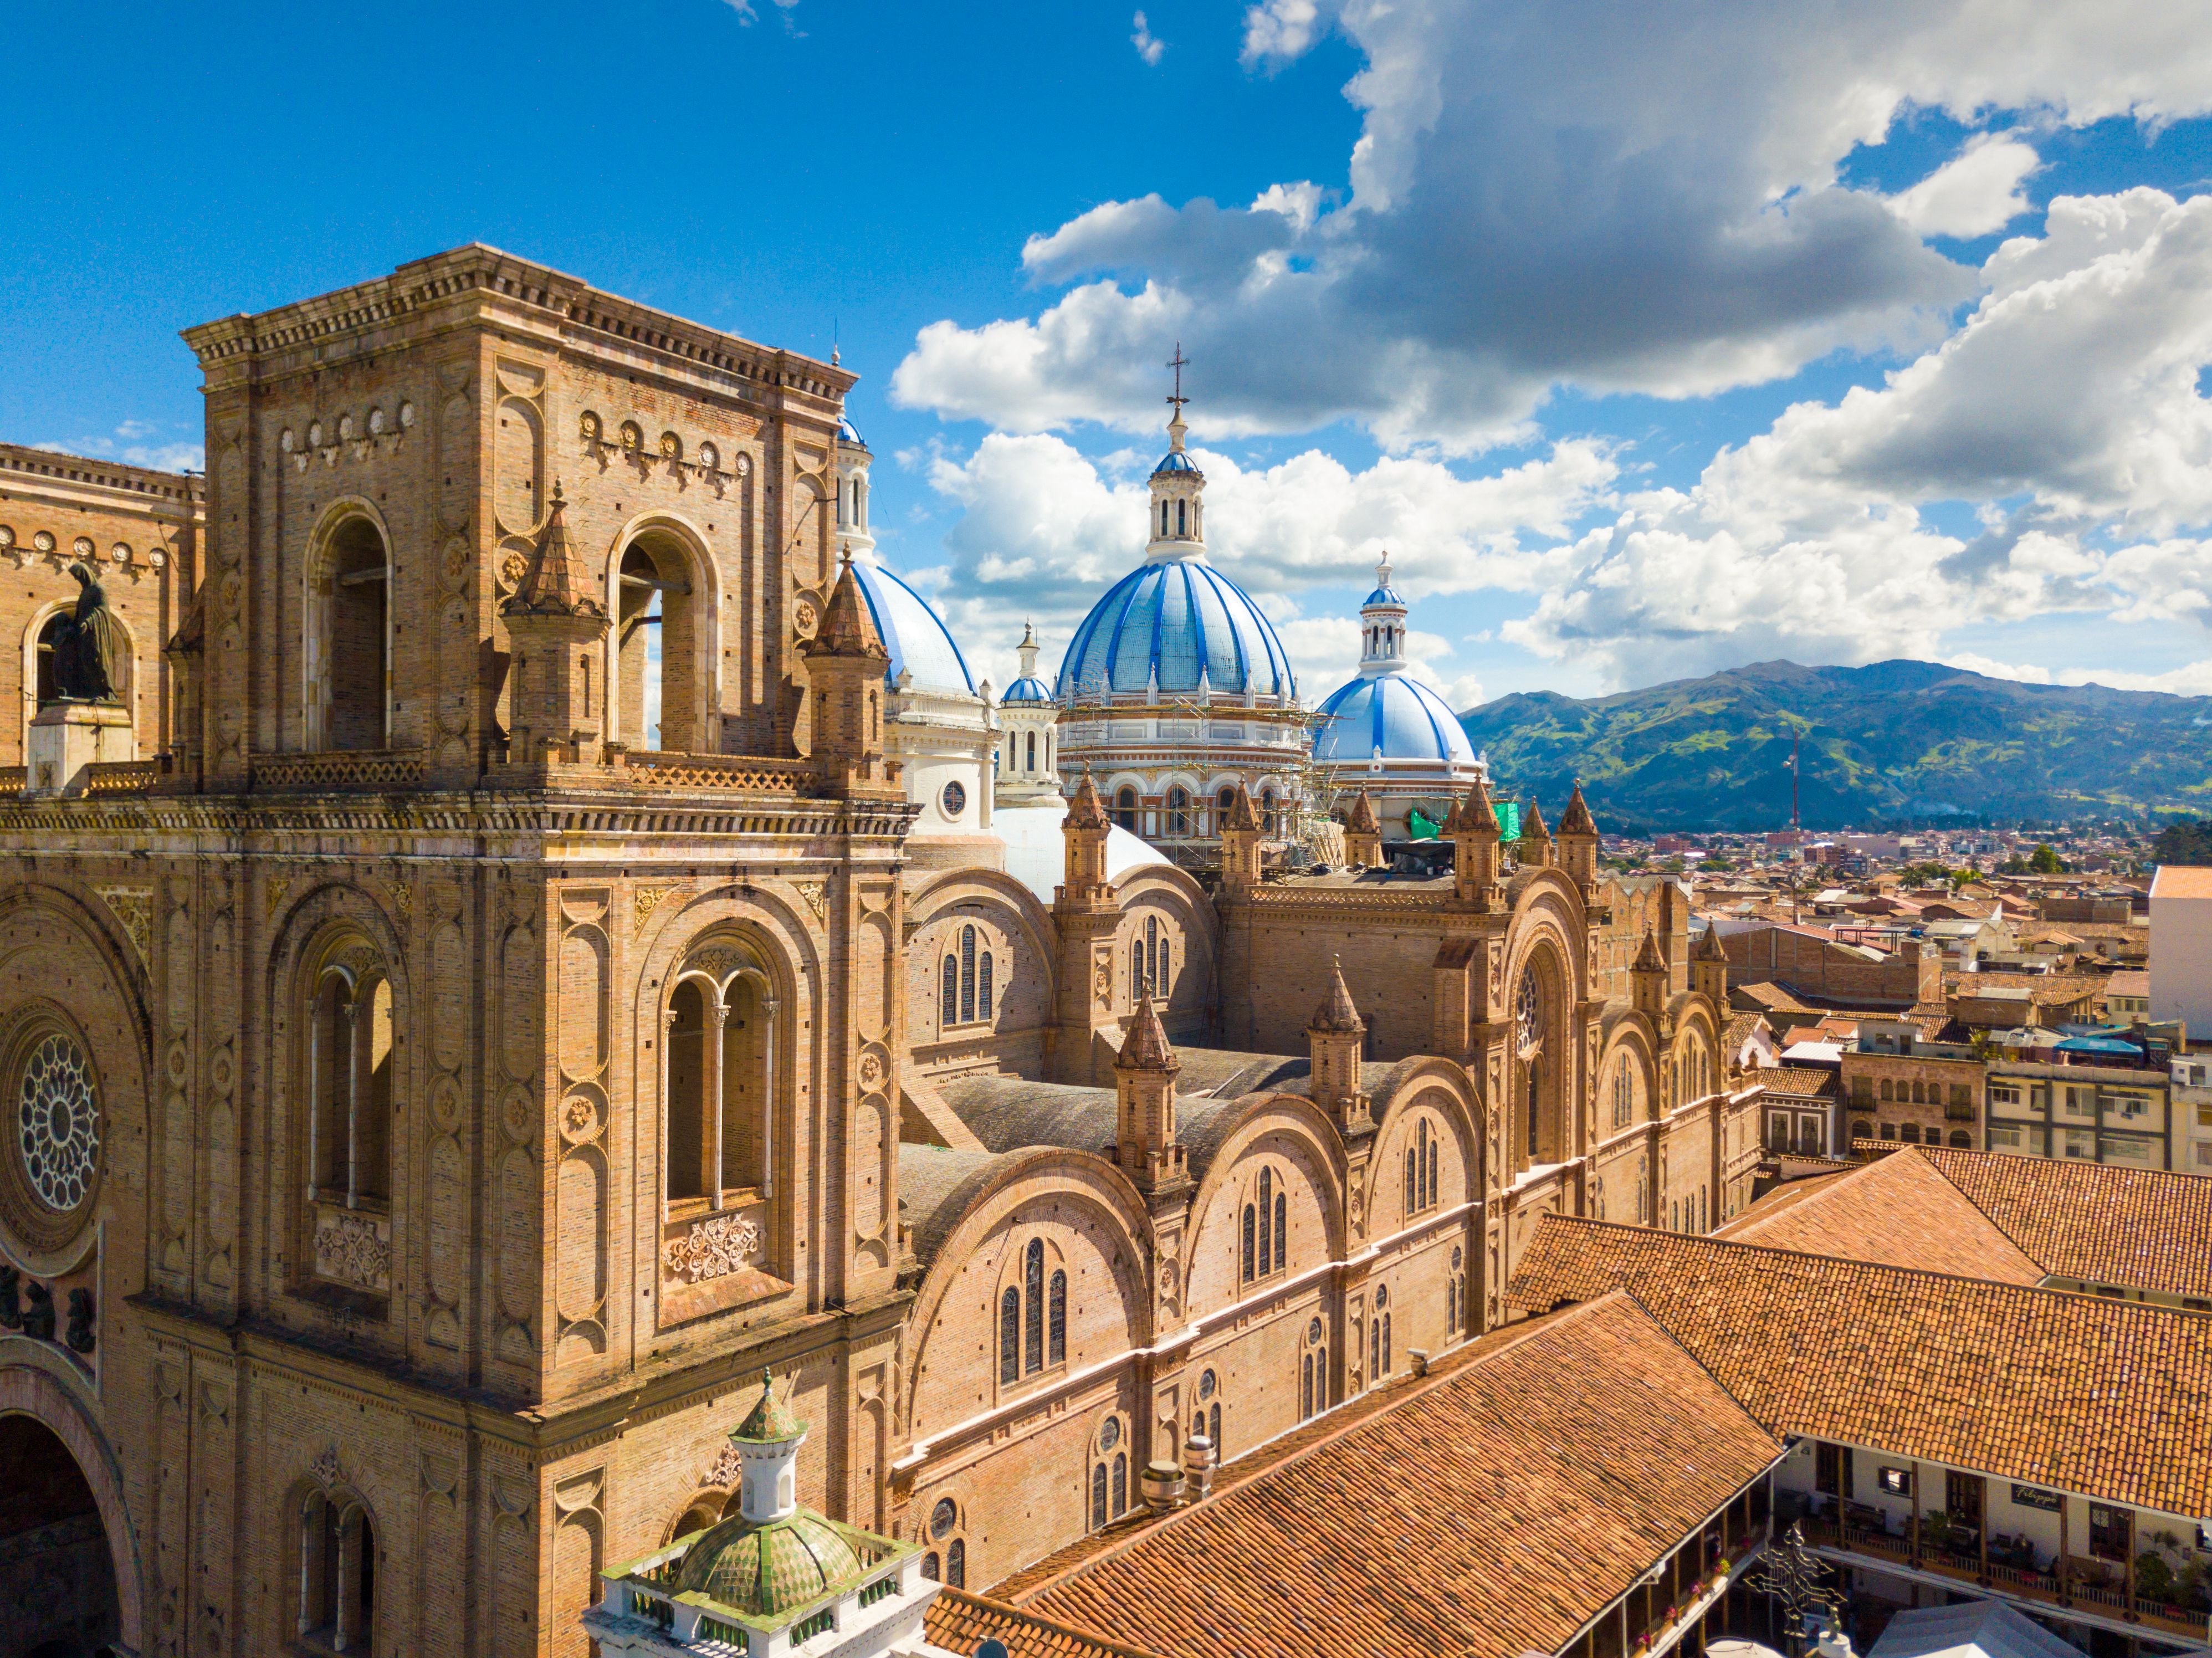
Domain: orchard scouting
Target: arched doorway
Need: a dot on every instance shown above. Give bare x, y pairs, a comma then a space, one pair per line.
349, 656
57, 1596
658, 636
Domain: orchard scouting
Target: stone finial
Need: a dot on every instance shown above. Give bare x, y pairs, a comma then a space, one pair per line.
1648, 958
1086, 811
1709, 947
1241, 816
1532, 824
1147, 1047
1337, 1011
1477, 816
848, 629
554, 584
1577, 819
1361, 819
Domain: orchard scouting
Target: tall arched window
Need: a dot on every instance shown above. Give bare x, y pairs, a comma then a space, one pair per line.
956, 1563
1620, 1095
1152, 949
1098, 1511
1031, 764
948, 993
659, 702
349, 658
1178, 811
983, 985
1282, 1227
1413, 1179
338, 1574
1033, 1291
1305, 1387
1162, 971
1386, 1344
347, 1108
1224, 799
1124, 808
720, 1056
1182, 519
1213, 1428
967, 975
1432, 1151
1265, 1222
1056, 1321
1163, 518
1010, 1335
1121, 1484
1456, 1319
1247, 1258
1268, 811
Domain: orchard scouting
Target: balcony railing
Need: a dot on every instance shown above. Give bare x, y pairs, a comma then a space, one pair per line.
339, 769
2095, 1586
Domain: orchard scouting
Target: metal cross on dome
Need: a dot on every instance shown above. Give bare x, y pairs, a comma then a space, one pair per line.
1178, 362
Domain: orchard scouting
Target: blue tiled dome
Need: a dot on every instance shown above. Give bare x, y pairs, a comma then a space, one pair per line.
913, 633
1169, 619
1384, 593
1175, 461
1028, 689
848, 432
1401, 717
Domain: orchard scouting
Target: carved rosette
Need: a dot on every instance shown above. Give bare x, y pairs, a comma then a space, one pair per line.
352, 1248
713, 1248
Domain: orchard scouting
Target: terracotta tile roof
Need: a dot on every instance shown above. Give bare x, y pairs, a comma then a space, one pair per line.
1798, 1084
1897, 1210
1741, 1027
960, 1622
2102, 1397
2097, 1221
1491, 1512
1770, 998
2134, 981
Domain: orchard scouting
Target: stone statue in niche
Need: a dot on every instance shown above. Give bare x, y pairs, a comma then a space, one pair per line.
90, 648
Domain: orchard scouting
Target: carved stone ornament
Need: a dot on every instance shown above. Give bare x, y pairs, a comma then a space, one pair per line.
325, 1467
713, 1248
816, 895
644, 902
134, 908
348, 1249
871, 1070
1102, 982
726, 1470
579, 1118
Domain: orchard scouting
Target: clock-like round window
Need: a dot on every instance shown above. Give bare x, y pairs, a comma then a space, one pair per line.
57, 1123
1109, 1433
50, 1170
954, 798
1528, 1016
943, 1517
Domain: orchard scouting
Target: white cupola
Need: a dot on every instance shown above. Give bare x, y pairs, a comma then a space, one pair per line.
1178, 507
1382, 626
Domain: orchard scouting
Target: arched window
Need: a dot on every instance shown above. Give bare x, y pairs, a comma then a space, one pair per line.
967, 975
719, 1059
1282, 1227
1266, 1227
659, 702
1124, 807
948, 997
1374, 1351
1268, 811
338, 1574
349, 1098
1178, 811
1305, 1387
929, 1566
349, 659
1961, 1140
1163, 518
1888, 1089
1412, 1191
1136, 972
1182, 519
1163, 974
1386, 1344
1031, 765
1098, 1510
1056, 1322
49, 687
1213, 1428
1121, 1484
1459, 1289
956, 1563
983, 985
1151, 951
1033, 1293
1247, 1259
1010, 1335
1224, 799
1861, 1131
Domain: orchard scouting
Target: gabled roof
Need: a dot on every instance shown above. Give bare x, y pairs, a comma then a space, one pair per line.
959, 1622
1488, 1512
2096, 1222
2079, 1392
1897, 1211
1798, 1082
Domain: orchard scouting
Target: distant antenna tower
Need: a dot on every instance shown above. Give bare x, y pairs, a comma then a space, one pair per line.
1795, 738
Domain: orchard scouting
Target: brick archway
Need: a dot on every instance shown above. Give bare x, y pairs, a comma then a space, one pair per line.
33, 1392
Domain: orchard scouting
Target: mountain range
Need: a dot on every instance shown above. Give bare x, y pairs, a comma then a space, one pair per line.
1892, 743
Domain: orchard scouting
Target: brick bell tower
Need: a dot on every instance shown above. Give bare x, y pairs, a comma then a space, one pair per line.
1087, 917
1145, 1145
1362, 833
846, 661
1474, 835
1337, 1038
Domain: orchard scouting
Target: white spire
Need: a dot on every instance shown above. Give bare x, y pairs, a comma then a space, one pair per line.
1027, 650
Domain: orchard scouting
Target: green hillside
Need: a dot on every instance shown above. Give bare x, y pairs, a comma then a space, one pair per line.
1892, 742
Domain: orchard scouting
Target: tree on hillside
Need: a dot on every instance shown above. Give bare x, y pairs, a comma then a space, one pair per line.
2184, 841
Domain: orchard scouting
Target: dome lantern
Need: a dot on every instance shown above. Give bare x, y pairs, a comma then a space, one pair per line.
1178, 504
1382, 627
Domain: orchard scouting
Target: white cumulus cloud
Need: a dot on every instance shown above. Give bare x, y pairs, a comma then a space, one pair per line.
1149, 46
1976, 192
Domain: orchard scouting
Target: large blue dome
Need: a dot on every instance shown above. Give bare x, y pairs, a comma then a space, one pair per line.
1166, 621
913, 633
1399, 718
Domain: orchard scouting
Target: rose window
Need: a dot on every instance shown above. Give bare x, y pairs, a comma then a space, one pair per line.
57, 1123
1528, 1019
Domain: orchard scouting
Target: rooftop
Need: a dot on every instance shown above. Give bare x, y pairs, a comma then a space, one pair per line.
1491, 1511
2079, 1392
1897, 1211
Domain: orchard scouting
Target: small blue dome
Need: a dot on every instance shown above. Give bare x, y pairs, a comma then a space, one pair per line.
913, 633
1029, 689
1175, 461
1385, 594
1169, 620
1401, 717
848, 432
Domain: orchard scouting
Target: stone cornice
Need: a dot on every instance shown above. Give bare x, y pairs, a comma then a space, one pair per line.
483, 284
106, 486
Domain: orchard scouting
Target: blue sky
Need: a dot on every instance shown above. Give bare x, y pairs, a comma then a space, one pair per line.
1647, 342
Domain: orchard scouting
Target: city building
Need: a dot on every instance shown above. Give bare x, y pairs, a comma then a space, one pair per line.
1176, 688
1385, 734
2181, 945
2092, 1098
1902, 1085
451, 1059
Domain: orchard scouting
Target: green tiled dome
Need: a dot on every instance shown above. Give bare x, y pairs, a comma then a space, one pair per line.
764, 1569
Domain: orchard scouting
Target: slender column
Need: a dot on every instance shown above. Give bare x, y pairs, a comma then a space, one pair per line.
348, 1525
1982, 1525
2065, 1563
667, 1027
350, 1025
308, 1551
314, 1084
768, 1102
711, 1070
